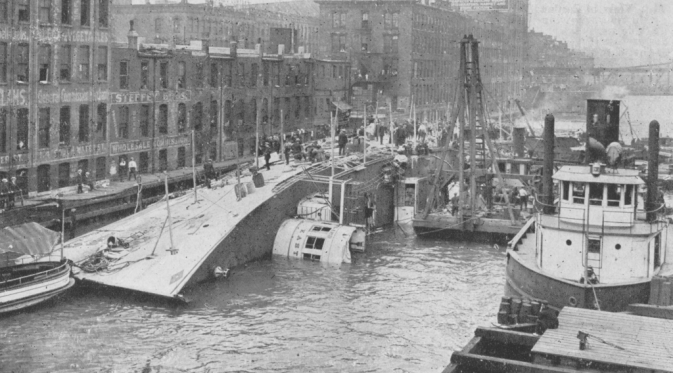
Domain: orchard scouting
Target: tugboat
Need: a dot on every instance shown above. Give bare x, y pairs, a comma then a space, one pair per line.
594, 245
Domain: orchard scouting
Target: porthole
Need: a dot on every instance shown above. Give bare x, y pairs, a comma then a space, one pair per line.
618, 246
568, 242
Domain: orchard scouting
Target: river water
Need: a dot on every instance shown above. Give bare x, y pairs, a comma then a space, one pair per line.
403, 306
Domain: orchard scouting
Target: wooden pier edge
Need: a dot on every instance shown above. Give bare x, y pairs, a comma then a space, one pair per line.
649, 310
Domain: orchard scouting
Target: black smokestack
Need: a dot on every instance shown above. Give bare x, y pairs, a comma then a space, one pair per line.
518, 140
548, 171
652, 172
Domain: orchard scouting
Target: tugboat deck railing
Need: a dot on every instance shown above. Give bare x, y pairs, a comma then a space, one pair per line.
39, 276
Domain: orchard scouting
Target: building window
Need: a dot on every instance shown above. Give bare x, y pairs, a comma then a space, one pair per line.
198, 116
123, 74
144, 120
64, 126
339, 19
22, 63
83, 123
45, 11
84, 62
3, 62
254, 71
364, 43
22, 129
24, 10
3, 11
390, 43
65, 12
338, 43
307, 106
163, 74
213, 114
163, 118
103, 10
365, 20
214, 75
43, 131
102, 63
3, 131
241, 74
265, 74
182, 75
44, 59
198, 75
144, 74
65, 58
182, 117
182, 155
124, 122
84, 13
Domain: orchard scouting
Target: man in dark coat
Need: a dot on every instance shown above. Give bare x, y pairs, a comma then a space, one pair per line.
80, 180
343, 140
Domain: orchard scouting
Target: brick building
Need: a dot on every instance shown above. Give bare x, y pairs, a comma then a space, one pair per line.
54, 71
332, 90
180, 22
159, 94
402, 50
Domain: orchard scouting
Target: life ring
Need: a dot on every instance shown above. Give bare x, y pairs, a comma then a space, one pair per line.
572, 301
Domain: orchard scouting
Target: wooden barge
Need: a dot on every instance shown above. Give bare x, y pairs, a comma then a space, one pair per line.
585, 341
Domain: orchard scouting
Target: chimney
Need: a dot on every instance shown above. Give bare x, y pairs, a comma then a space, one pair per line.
548, 168
651, 205
132, 37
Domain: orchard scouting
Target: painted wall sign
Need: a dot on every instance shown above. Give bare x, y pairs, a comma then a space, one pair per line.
149, 97
73, 151
146, 144
51, 35
13, 96
17, 159
71, 95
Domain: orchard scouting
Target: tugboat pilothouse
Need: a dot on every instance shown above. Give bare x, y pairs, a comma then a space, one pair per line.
597, 244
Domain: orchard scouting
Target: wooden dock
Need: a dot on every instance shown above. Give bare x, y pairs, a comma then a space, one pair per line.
643, 342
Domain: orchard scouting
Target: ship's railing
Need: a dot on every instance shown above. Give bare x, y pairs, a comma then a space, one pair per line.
54, 272
514, 242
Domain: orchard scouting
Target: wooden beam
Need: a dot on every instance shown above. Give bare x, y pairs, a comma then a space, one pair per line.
482, 363
648, 310
507, 336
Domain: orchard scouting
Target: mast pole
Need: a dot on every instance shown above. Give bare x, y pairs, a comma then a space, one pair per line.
193, 168
168, 209
62, 228
364, 132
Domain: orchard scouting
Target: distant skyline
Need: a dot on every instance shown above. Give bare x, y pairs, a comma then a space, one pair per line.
615, 32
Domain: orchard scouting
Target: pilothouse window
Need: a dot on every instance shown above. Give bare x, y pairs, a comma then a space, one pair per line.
628, 195
578, 193
566, 190
321, 229
596, 194
614, 194
314, 243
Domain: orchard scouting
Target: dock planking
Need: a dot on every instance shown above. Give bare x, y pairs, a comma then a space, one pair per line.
646, 342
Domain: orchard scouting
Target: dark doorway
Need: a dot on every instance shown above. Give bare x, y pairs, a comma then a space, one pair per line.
63, 175
100, 168
43, 182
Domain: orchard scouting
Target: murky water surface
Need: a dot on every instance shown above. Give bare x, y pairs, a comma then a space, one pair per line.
402, 307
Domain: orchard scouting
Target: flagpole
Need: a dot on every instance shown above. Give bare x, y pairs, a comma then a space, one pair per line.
282, 136
332, 157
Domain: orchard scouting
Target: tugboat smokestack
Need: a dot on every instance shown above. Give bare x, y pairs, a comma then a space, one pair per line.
548, 171
652, 172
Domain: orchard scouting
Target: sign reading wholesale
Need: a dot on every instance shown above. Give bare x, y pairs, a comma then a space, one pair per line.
476, 5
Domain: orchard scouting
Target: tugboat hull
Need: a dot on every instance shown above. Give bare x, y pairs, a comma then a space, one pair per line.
523, 280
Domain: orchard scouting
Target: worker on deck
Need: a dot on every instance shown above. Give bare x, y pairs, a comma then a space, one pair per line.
401, 159
592, 279
455, 203
114, 242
